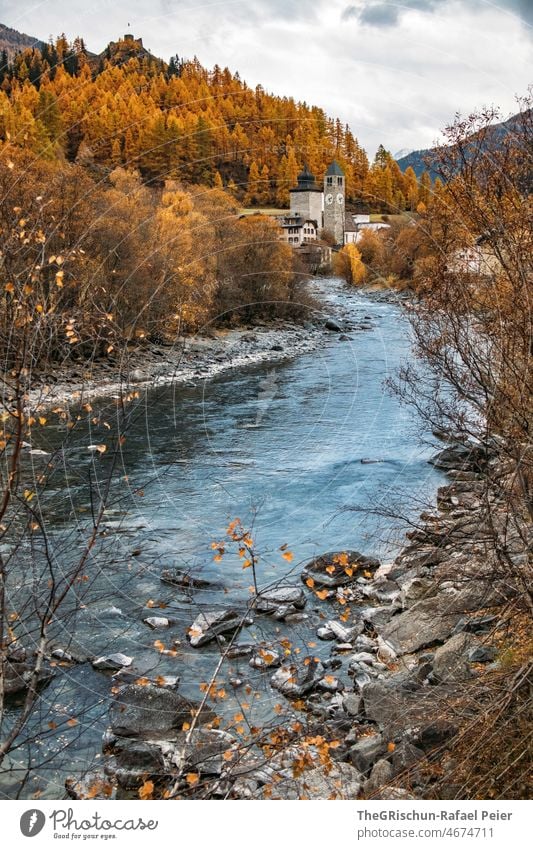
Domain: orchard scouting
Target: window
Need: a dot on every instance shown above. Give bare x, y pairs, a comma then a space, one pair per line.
339, 181
329, 181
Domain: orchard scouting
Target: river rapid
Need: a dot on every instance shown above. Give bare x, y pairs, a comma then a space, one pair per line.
290, 448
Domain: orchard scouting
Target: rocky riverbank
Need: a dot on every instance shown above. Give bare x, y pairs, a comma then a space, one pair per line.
374, 719
191, 359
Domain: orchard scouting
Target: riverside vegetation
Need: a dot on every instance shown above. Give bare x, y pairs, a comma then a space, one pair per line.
104, 247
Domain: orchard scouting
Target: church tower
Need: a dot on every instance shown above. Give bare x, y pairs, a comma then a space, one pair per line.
334, 201
306, 198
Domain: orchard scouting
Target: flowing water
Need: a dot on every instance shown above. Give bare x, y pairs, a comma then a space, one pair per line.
279, 446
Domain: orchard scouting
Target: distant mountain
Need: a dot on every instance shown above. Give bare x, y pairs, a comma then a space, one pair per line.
426, 160
13, 42
405, 151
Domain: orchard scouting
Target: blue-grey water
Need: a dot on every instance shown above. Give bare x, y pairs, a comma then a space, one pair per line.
278, 446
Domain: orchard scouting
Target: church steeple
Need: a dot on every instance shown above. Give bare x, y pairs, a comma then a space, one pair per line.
334, 201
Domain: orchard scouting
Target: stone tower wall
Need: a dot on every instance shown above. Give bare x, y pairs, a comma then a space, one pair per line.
334, 213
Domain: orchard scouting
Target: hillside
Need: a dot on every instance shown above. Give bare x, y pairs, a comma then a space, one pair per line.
13, 41
426, 159
181, 121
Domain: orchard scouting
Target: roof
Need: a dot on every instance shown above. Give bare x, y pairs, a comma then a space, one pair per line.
335, 170
349, 224
306, 182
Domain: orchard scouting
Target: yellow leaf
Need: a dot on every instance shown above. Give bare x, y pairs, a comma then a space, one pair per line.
330, 570
9, 288
228, 755
217, 558
192, 778
42, 420
246, 564
391, 746
186, 726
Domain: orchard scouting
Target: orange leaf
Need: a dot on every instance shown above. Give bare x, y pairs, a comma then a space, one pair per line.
391, 746
310, 583
322, 594
72, 722
192, 778
288, 556
146, 790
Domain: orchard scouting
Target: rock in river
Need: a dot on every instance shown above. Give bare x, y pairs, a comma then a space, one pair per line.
295, 680
115, 661
268, 601
151, 711
209, 624
338, 568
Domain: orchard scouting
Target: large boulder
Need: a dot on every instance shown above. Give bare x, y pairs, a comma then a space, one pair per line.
150, 712
366, 752
338, 568
209, 624
429, 621
451, 661
18, 676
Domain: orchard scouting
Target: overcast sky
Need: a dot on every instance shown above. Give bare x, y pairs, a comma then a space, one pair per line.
395, 71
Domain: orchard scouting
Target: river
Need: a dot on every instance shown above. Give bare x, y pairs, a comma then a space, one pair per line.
281, 447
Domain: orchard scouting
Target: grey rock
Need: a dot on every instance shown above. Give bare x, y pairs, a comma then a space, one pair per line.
380, 775
352, 703
151, 711
265, 658
155, 622
405, 756
269, 601
295, 680
482, 654
210, 624
330, 684
342, 781
332, 324
366, 752
117, 660
451, 661
357, 562
428, 621
18, 676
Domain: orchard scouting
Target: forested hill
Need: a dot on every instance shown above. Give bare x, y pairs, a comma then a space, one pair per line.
12, 41
427, 159
178, 120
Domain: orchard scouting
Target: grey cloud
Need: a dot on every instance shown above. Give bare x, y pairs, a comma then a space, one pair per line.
378, 13
381, 15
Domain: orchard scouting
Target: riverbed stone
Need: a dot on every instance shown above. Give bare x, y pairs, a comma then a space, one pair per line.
156, 622
151, 711
210, 623
295, 680
328, 570
115, 661
269, 601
